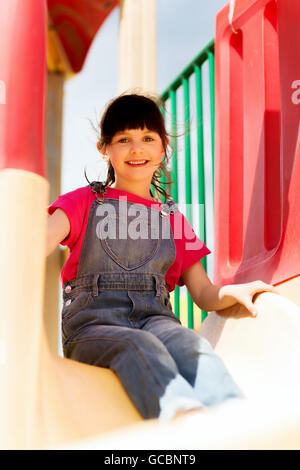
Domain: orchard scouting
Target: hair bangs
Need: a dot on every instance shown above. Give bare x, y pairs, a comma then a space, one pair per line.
132, 112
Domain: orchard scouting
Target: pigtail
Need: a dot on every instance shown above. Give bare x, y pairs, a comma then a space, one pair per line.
156, 182
97, 187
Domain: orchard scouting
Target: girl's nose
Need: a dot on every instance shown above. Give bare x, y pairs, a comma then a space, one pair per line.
136, 147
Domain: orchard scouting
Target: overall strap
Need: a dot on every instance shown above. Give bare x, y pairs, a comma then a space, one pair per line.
169, 208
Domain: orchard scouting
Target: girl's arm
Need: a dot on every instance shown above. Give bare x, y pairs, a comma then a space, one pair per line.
210, 297
57, 230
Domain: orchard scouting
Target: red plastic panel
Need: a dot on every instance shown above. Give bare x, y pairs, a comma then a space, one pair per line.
22, 84
257, 156
76, 23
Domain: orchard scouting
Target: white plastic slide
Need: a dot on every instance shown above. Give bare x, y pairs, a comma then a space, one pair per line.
262, 354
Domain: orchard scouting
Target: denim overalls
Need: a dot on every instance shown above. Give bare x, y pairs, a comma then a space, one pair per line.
117, 313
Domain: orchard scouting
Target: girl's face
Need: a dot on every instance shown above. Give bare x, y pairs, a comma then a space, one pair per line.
135, 154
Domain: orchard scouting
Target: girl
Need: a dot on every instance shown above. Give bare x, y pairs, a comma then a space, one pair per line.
127, 253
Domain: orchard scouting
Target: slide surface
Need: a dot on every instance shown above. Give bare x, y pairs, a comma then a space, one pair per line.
262, 353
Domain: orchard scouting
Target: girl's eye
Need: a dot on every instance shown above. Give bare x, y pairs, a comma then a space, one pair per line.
148, 139
123, 140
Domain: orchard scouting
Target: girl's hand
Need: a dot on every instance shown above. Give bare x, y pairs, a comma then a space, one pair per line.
244, 293
210, 297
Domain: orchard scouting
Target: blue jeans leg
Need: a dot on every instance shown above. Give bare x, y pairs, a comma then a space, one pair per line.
196, 361
146, 369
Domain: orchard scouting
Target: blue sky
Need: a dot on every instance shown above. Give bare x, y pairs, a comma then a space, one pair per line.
184, 27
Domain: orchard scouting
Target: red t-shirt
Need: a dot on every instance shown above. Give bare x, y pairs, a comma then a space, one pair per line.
76, 204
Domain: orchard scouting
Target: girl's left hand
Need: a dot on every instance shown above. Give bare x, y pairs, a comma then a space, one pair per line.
244, 293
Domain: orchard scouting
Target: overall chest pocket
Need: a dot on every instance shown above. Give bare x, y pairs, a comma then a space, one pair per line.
130, 241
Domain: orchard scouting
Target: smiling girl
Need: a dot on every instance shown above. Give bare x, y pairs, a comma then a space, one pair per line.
117, 283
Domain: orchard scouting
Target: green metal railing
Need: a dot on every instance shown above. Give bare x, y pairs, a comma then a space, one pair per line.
182, 84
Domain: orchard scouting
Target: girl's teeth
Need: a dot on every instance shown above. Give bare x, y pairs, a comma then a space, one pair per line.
137, 163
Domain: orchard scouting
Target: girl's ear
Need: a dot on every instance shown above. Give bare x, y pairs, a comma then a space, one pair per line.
102, 150
105, 157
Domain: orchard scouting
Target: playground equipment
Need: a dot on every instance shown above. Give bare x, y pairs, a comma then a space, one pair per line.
47, 401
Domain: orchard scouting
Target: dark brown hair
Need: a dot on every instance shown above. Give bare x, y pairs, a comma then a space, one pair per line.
135, 111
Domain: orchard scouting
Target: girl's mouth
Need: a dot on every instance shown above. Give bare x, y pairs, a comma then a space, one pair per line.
137, 163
